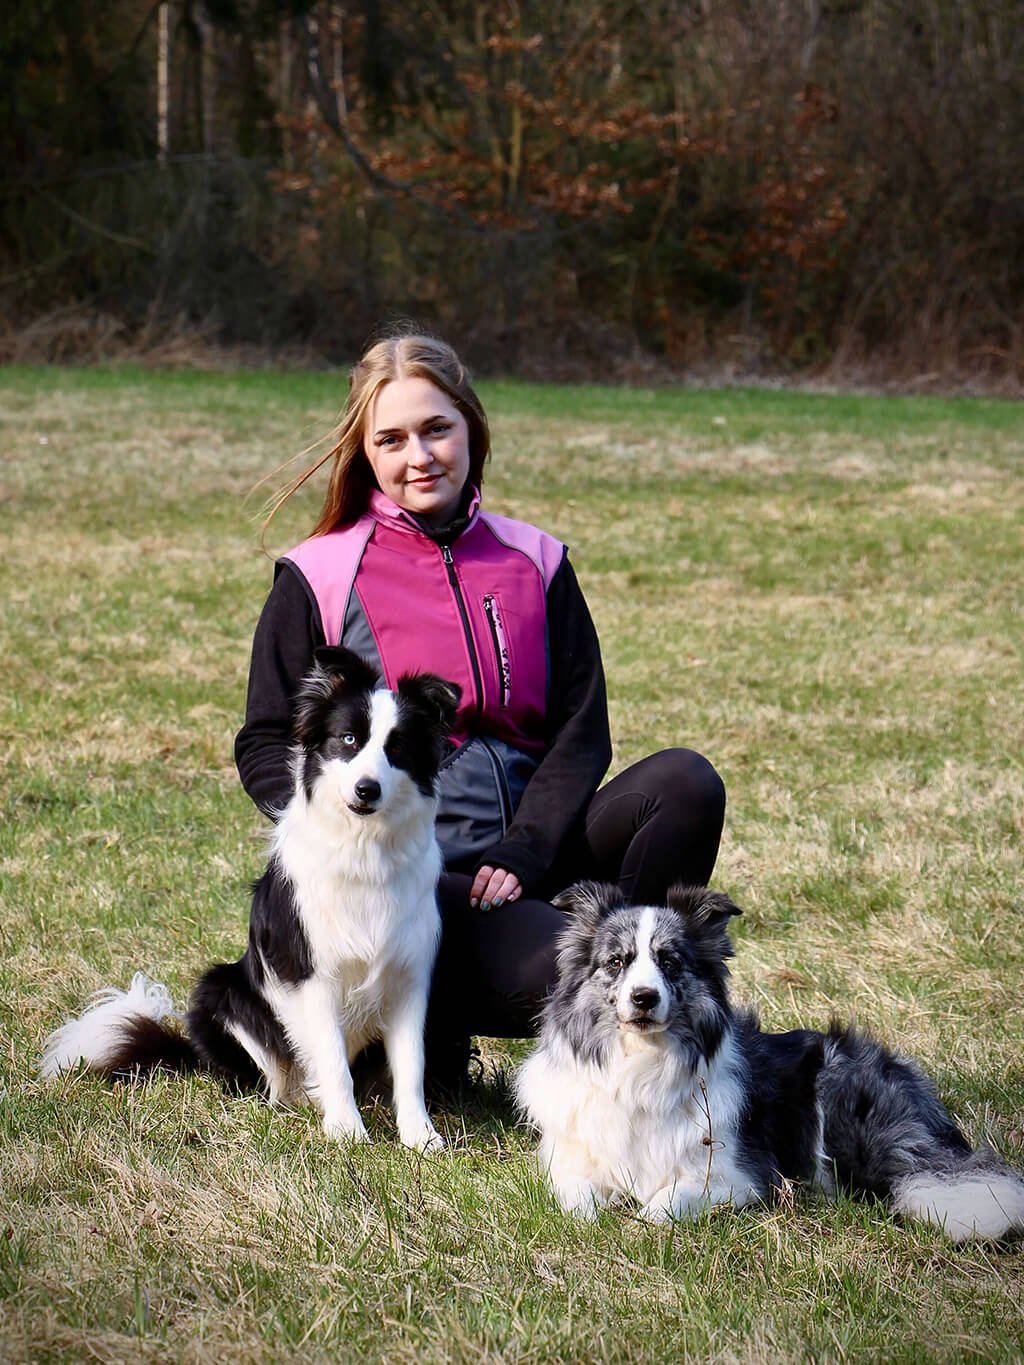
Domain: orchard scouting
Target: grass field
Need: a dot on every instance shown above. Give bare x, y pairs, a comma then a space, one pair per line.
824, 594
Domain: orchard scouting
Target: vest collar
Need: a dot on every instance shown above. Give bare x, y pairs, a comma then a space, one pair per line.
385, 510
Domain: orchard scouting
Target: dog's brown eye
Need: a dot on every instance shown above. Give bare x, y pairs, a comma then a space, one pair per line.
668, 962
614, 965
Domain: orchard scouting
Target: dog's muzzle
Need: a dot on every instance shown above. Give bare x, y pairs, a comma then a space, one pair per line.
642, 1011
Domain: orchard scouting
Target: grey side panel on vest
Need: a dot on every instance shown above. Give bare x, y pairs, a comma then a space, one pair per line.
481, 786
357, 635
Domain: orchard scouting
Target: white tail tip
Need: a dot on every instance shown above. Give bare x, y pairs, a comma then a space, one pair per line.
986, 1204
95, 1034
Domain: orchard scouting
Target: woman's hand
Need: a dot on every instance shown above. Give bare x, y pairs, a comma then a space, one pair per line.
492, 887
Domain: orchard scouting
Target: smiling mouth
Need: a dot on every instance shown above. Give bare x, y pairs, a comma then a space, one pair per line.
357, 808
427, 482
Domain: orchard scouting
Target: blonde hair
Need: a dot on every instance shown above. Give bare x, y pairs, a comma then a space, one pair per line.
405, 356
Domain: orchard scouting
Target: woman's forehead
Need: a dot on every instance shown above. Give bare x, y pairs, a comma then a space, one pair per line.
406, 402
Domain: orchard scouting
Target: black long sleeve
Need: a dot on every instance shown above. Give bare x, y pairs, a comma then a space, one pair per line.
288, 632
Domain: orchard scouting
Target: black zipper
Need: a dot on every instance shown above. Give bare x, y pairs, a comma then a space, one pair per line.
478, 682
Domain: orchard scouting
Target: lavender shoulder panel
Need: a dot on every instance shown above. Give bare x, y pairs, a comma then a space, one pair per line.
329, 564
544, 550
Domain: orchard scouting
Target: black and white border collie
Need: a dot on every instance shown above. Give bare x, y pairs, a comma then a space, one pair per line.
344, 926
646, 1083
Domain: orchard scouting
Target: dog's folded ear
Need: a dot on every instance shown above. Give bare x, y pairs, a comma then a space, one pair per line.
590, 901
344, 667
701, 905
335, 670
437, 696
706, 914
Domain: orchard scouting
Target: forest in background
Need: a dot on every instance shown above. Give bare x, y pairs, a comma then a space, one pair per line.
594, 188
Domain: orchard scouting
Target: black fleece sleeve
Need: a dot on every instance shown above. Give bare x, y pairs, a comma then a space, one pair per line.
288, 632
579, 742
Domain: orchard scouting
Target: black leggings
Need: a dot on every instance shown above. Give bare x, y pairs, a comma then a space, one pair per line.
657, 823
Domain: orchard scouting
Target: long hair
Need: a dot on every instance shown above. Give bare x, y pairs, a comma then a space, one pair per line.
405, 356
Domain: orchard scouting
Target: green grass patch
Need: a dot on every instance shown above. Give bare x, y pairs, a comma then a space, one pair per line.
822, 593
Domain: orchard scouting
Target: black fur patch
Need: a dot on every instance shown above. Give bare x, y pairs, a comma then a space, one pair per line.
426, 710
146, 1046
276, 935
225, 995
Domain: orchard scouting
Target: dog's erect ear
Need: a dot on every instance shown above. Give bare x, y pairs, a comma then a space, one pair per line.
437, 696
590, 901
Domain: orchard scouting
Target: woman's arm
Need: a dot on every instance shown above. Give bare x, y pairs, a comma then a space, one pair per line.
578, 737
282, 653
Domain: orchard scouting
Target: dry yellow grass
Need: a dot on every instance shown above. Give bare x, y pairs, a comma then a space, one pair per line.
823, 594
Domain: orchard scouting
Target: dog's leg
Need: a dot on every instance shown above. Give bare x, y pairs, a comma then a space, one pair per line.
403, 1042
566, 1164
309, 1013
275, 1072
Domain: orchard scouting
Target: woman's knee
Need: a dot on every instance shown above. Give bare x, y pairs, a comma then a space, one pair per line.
684, 779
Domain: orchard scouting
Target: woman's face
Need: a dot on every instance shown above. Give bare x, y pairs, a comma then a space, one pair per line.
417, 443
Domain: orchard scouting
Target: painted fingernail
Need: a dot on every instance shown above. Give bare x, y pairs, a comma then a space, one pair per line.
473, 902
497, 902
485, 905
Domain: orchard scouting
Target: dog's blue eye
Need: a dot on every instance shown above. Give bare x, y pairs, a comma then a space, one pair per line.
348, 740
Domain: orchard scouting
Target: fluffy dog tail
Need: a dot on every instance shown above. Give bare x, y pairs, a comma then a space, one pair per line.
123, 1033
982, 1197
886, 1132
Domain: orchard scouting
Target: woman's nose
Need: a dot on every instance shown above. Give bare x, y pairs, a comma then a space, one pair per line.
418, 453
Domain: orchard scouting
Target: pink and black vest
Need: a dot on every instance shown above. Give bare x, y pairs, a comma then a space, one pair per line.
475, 612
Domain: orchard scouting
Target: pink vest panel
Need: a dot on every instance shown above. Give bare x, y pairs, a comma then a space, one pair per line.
480, 621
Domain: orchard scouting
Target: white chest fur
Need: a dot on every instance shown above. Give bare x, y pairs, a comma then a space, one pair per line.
641, 1123
366, 901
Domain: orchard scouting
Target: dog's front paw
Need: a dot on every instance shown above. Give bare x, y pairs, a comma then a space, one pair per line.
347, 1128
422, 1136
675, 1202
578, 1197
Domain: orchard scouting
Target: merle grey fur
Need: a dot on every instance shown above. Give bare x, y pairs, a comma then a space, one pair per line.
875, 1113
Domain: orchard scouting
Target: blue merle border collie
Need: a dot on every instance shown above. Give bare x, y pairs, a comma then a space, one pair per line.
646, 1083
344, 925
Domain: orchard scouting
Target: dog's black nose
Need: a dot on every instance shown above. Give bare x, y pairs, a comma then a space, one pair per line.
644, 997
367, 790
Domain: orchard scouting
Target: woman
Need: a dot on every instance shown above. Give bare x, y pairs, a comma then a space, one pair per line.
405, 567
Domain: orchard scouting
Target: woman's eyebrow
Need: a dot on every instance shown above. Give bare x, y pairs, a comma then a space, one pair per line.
420, 422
